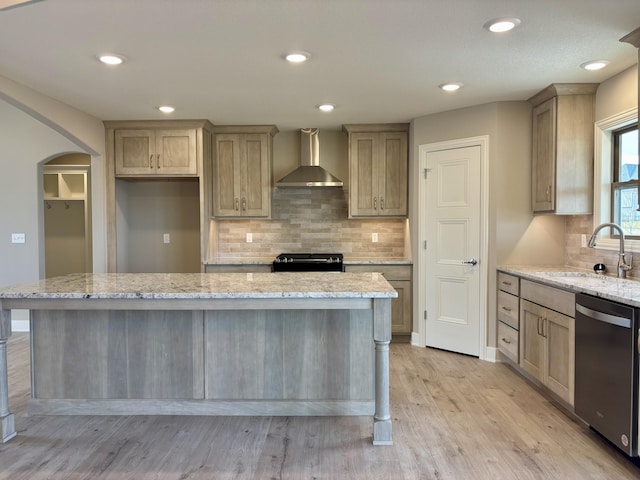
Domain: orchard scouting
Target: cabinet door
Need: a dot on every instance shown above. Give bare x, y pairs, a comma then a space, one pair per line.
543, 158
176, 152
134, 152
392, 190
531, 339
363, 174
401, 307
559, 366
255, 175
226, 176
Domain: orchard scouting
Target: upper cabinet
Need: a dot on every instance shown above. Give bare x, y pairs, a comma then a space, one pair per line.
378, 162
562, 141
242, 171
155, 152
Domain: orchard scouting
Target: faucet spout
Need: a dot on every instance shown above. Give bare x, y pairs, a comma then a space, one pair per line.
623, 266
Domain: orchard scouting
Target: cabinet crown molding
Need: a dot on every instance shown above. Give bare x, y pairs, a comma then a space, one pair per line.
143, 124
375, 127
558, 89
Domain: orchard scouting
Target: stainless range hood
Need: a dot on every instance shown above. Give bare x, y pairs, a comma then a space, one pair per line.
309, 173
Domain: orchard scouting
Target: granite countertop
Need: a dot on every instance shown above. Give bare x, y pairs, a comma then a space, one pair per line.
578, 280
204, 286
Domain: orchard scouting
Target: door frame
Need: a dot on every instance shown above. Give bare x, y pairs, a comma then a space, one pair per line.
419, 337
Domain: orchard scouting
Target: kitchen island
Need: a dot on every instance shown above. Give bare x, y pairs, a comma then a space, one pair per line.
205, 344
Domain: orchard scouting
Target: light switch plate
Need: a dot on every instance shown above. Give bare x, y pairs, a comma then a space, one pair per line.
18, 238
374, 237
166, 238
249, 237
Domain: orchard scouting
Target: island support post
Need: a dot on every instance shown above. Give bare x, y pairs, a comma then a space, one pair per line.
7, 419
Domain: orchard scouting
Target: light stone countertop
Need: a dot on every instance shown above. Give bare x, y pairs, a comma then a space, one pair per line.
621, 290
204, 286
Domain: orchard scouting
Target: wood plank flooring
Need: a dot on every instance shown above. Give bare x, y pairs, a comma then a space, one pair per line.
454, 417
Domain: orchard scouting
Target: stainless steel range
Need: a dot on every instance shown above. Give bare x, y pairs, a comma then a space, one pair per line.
309, 262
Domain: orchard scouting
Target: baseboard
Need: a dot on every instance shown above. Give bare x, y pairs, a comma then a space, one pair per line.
492, 355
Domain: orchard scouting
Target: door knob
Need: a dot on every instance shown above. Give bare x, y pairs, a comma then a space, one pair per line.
473, 261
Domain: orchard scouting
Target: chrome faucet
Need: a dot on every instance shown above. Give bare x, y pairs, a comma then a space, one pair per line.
623, 266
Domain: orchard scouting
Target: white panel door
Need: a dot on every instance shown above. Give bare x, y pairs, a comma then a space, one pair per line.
452, 250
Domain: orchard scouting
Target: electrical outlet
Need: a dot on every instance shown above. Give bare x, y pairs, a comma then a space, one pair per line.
583, 240
166, 238
18, 238
374, 237
249, 237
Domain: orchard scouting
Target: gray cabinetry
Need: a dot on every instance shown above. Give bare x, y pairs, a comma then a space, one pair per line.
562, 157
242, 171
508, 315
547, 337
378, 162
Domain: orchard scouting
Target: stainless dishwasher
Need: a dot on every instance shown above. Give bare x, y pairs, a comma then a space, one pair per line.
606, 374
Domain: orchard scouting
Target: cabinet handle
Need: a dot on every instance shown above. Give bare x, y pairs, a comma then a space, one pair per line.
381, 203
375, 203
244, 204
548, 193
151, 161
508, 284
236, 206
158, 160
505, 340
538, 326
506, 309
545, 327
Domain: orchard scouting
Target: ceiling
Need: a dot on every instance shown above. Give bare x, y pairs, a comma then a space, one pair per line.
376, 60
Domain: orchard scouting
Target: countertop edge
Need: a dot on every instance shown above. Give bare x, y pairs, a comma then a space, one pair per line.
619, 290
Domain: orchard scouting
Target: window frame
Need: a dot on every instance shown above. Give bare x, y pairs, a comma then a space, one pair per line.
603, 177
616, 133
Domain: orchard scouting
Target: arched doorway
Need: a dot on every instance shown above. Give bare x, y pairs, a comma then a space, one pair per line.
66, 182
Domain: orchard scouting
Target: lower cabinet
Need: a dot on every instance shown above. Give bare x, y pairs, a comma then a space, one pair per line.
399, 276
547, 337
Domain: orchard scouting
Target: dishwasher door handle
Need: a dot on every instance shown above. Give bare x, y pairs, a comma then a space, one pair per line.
604, 317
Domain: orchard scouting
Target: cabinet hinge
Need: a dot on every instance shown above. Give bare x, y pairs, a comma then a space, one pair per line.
425, 245
426, 170
425, 314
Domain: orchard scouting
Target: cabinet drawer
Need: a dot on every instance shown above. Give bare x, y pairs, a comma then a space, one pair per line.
508, 283
508, 309
550, 297
508, 341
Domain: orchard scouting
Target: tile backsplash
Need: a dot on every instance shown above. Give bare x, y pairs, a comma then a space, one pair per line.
583, 257
310, 220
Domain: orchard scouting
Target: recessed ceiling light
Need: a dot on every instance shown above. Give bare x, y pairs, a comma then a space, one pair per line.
326, 107
296, 57
166, 109
111, 59
450, 87
594, 65
501, 25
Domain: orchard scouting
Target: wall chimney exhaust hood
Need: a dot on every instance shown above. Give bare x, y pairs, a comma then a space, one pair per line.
309, 173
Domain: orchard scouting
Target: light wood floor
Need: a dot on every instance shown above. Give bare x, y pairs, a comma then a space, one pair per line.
454, 417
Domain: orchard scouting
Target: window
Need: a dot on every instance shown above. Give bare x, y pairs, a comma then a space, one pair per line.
624, 187
615, 191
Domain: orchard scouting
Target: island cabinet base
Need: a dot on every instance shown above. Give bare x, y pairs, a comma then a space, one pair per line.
203, 362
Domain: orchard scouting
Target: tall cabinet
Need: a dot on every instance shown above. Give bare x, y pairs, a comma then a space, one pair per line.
562, 142
158, 194
378, 163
